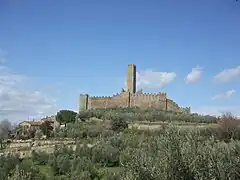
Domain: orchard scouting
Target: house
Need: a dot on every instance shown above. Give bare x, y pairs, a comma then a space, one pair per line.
27, 129
28, 124
52, 119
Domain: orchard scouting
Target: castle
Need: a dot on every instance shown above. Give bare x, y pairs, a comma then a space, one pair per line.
131, 98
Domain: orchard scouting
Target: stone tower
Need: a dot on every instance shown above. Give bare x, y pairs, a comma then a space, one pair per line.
131, 78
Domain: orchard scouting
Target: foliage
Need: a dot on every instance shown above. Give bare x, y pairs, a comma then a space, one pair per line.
118, 124
167, 154
182, 157
152, 115
7, 165
40, 158
27, 171
46, 128
66, 116
84, 131
228, 125
5, 131
105, 155
38, 134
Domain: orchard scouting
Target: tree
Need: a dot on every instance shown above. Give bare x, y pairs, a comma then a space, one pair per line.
228, 125
38, 134
66, 116
46, 128
118, 124
5, 131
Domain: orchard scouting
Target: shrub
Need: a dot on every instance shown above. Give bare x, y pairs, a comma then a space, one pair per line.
38, 134
40, 158
182, 156
136, 114
106, 155
228, 125
118, 124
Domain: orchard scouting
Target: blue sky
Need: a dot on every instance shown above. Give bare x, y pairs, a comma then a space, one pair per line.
51, 51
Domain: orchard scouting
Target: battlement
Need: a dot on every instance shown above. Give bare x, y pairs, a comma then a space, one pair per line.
105, 97
162, 94
131, 65
130, 98
100, 97
172, 102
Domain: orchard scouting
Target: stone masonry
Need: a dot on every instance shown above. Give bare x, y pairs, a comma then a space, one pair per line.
131, 98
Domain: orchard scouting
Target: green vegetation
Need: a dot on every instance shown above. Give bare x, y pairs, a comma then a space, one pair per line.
152, 115
46, 129
118, 152
66, 116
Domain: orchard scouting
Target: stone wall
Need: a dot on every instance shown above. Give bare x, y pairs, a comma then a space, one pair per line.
127, 99
118, 100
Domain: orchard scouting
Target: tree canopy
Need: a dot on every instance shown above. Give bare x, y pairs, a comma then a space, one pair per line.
66, 116
46, 128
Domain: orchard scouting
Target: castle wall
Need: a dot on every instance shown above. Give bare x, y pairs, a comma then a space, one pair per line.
127, 99
172, 106
83, 102
145, 100
118, 100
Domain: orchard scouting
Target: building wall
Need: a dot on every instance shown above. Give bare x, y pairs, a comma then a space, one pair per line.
118, 100
25, 124
127, 99
55, 124
172, 106
131, 78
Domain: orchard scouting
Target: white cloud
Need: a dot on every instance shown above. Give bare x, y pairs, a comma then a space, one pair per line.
194, 76
154, 79
225, 95
228, 75
17, 102
217, 110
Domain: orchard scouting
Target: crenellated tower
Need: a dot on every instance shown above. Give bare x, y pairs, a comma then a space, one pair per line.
131, 78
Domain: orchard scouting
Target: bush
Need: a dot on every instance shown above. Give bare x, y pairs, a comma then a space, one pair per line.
118, 124
105, 155
228, 126
182, 156
136, 114
40, 158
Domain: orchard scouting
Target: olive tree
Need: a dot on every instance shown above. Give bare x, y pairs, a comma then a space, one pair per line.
5, 129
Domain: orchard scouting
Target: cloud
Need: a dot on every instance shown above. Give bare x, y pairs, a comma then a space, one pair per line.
3, 56
224, 95
228, 75
154, 79
194, 76
17, 102
9, 79
217, 110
